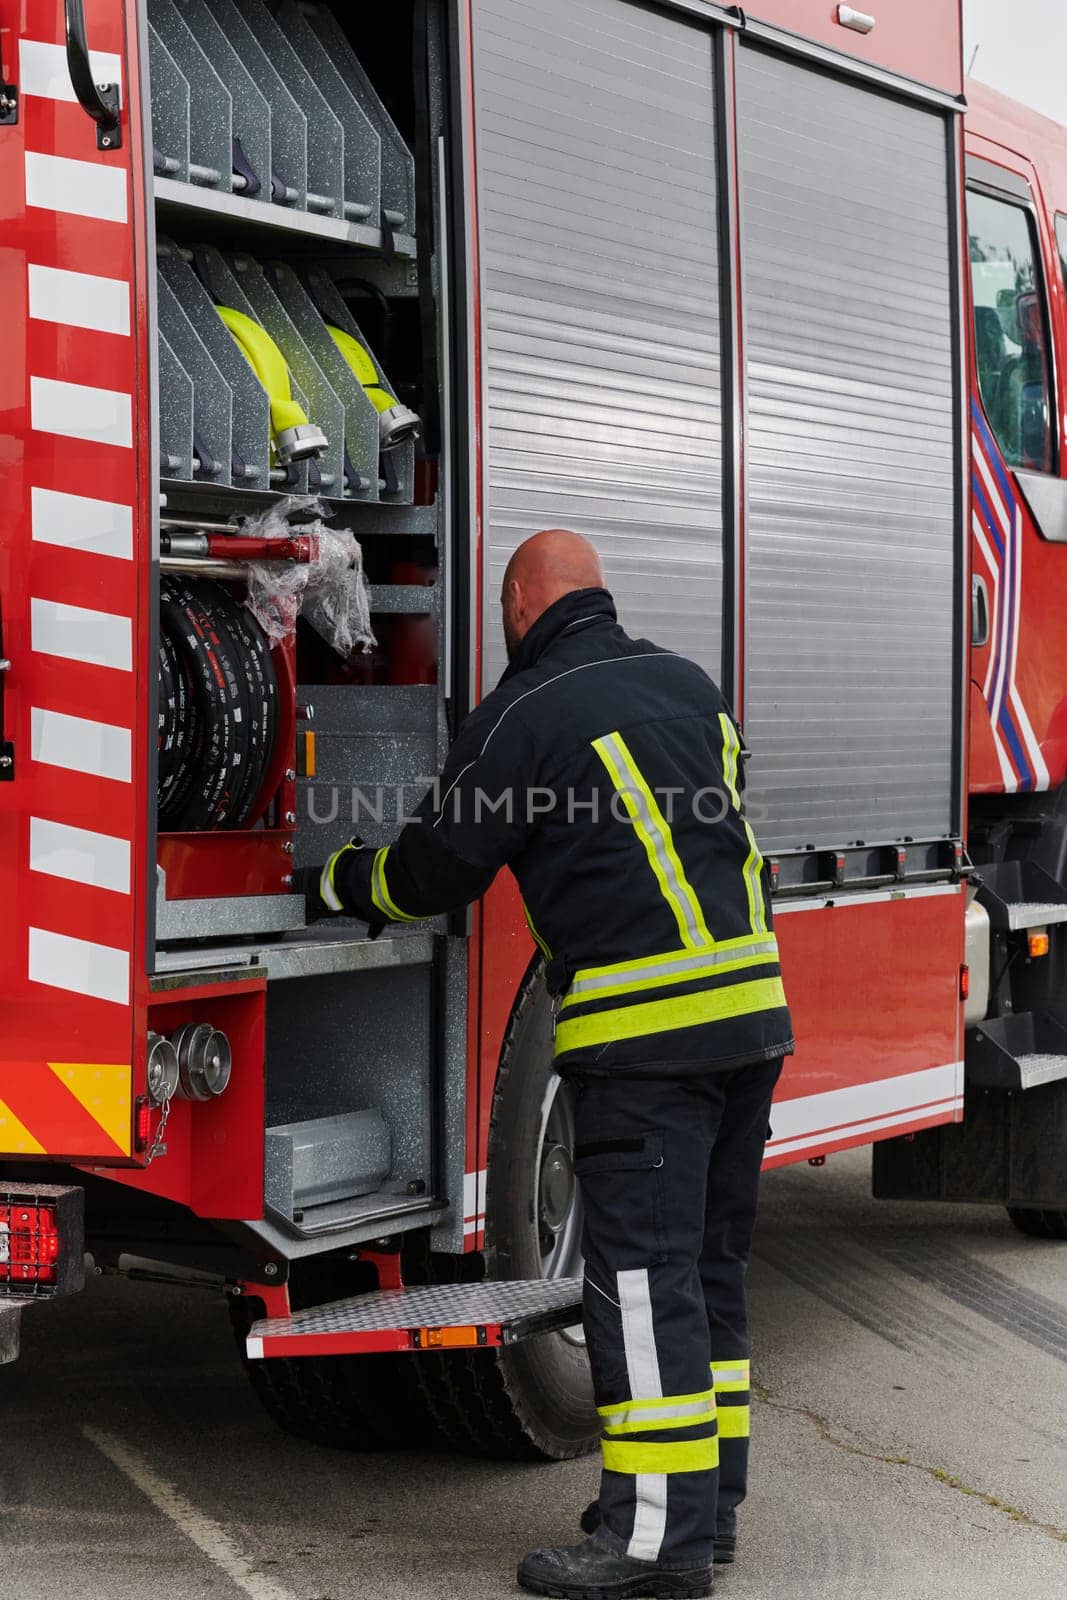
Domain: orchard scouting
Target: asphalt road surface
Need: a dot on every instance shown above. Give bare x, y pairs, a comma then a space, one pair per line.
909, 1438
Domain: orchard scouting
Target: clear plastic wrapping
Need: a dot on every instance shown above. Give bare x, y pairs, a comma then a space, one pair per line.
330, 590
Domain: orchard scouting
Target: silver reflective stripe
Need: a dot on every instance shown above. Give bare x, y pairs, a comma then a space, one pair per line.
642, 1370
636, 971
652, 1414
329, 894
650, 1516
729, 1375
638, 1335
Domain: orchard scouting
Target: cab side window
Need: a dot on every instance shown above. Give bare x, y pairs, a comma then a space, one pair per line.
1011, 329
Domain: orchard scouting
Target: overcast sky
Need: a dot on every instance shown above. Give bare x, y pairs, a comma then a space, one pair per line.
1022, 49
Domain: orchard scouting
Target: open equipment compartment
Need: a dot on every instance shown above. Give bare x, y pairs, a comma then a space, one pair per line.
294, 361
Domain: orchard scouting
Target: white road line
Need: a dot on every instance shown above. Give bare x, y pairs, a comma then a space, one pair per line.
208, 1535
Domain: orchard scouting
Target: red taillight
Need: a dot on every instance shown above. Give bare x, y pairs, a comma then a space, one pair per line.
142, 1123
29, 1244
965, 982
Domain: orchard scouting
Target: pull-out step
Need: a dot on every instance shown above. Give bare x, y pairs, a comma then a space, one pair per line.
1021, 1051
1020, 894
454, 1316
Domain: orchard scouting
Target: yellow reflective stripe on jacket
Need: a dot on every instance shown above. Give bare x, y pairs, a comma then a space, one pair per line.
734, 1422
632, 977
731, 1377
379, 891
662, 1016
684, 1455
536, 937
731, 749
651, 828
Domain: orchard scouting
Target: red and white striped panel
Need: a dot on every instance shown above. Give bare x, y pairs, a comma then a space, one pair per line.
73, 586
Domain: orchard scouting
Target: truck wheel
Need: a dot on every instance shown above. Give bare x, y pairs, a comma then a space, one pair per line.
1039, 1224
535, 1401
347, 1402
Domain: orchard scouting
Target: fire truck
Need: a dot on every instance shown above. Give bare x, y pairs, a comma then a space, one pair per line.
314, 312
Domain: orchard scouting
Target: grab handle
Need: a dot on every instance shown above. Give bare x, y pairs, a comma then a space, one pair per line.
98, 100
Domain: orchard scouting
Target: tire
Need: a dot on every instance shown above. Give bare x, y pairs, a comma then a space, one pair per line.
533, 1402
1039, 1224
345, 1402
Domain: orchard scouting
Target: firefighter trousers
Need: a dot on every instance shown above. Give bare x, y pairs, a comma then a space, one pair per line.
669, 1174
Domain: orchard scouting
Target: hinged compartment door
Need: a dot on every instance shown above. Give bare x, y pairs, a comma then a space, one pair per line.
73, 591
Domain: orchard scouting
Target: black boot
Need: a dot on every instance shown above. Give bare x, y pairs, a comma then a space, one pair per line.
594, 1571
725, 1543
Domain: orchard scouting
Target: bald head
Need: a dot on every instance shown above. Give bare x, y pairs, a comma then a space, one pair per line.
543, 569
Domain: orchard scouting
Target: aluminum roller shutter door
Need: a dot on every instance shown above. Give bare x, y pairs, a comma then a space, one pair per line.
850, 579
595, 125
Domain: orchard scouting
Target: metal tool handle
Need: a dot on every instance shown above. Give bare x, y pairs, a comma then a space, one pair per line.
98, 100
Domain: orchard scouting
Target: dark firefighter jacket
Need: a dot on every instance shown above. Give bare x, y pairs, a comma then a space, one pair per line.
605, 772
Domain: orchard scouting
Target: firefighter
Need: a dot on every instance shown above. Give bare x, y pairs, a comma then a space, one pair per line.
607, 773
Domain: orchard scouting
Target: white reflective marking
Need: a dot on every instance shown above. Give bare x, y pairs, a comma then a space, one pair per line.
474, 1194
1037, 760
99, 638
254, 1348
835, 1109
80, 966
99, 527
664, 1413
43, 70
80, 855
650, 1516
209, 1536
80, 411
638, 1334
994, 608
79, 299
992, 488
80, 745
946, 1110
729, 1374
79, 188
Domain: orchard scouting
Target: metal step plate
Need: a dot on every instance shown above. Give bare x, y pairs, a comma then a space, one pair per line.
1035, 913
454, 1316
1037, 1069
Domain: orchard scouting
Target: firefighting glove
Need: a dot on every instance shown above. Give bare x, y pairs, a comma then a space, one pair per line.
322, 897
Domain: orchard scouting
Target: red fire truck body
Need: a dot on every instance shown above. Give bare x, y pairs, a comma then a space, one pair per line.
689, 279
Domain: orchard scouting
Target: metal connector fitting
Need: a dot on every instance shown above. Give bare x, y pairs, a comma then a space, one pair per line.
297, 444
396, 426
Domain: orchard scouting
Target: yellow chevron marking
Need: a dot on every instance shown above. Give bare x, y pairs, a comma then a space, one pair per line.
15, 1138
104, 1090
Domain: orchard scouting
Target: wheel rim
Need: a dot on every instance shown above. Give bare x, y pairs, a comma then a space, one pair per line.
557, 1201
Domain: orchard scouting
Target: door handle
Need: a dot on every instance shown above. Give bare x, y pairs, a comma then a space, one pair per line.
979, 612
98, 100
7, 748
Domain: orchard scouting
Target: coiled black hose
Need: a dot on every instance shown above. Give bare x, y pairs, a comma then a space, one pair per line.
218, 707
